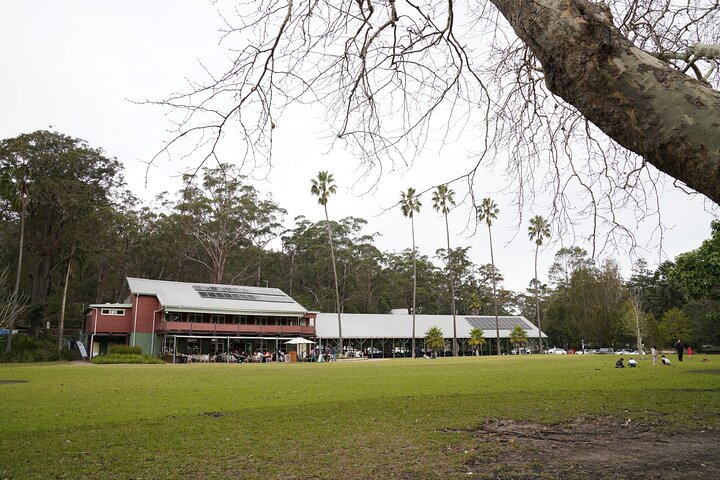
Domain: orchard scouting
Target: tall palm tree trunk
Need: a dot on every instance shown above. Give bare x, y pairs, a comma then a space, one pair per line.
61, 324
20, 252
16, 291
537, 301
452, 289
412, 225
337, 289
495, 302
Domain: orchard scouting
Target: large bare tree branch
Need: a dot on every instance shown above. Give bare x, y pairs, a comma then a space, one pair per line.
398, 77
648, 107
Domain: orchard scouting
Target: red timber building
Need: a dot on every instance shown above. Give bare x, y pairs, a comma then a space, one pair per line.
167, 318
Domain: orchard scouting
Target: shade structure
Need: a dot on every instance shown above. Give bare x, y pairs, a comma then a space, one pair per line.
298, 341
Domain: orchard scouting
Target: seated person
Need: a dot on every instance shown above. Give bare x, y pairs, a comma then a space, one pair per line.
619, 363
665, 361
632, 363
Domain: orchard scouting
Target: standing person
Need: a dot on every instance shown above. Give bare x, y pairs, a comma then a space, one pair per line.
679, 347
653, 352
690, 352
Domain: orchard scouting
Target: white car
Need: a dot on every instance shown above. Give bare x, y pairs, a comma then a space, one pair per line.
556, 351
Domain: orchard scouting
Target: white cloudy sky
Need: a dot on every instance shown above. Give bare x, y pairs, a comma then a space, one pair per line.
74, 65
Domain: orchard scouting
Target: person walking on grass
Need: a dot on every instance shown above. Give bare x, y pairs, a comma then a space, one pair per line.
679, 347
653, 353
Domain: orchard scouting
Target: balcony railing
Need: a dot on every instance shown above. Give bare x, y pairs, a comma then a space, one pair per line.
231, 329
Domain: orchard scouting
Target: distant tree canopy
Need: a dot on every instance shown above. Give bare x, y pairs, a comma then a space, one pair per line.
219, 228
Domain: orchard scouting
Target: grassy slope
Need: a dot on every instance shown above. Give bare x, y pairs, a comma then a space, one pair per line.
393, 418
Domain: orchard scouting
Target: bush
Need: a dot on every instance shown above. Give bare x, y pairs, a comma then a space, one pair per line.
30, 349
125, 350
132, 358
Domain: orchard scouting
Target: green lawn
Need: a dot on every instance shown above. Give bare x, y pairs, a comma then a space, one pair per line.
367, 419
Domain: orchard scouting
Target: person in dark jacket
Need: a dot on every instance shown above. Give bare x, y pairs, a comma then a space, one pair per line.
619, 363
679, 347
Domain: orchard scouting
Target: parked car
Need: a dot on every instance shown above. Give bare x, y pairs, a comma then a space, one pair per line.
605, 351
587, 351
521, 351
624, 351
556, 351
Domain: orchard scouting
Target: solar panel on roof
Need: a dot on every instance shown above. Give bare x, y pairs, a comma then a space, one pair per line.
488, 323
240, 293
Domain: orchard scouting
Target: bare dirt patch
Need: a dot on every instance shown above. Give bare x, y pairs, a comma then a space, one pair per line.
11, 382
592, 449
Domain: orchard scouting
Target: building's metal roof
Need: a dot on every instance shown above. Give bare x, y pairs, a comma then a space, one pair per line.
212, 298
359, 325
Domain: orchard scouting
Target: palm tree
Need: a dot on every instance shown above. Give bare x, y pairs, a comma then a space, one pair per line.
324, 186
518, 336
477, 339
474, 304
410, 205
538, 231
443, 199
488, 211
434, 339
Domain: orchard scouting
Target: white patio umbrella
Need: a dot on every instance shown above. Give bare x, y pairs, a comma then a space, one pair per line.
298, 341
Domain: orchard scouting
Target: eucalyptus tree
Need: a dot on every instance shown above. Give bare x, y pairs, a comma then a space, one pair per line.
222, 215
538, 231
410, 205
443, 199
322, 187
487, 212
70, 181
636, 320
398, 289
360, 266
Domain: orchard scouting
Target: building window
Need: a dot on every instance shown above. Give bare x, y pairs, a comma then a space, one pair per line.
195, 317
261, 320
193, 345
239, 320
172, 317
113, 311
217, 318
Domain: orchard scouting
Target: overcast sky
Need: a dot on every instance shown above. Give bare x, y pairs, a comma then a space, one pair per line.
73, 66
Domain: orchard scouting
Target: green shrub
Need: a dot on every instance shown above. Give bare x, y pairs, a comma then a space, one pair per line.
30, 349
133, 358
125, 350
26, 342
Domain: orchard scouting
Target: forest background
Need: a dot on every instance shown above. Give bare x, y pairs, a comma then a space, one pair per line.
83, 233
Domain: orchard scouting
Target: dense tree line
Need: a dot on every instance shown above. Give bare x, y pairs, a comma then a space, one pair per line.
64, 206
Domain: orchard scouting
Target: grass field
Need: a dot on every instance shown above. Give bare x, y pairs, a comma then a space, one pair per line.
368, 419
